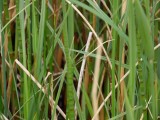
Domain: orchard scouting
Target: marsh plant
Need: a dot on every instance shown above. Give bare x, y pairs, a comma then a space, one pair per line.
79, 59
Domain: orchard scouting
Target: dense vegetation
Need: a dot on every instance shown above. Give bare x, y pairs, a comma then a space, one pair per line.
79, 59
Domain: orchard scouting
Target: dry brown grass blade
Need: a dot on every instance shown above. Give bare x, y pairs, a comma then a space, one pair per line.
95, 82
100, 94
147, 104
51, 101
105, 5
2, 117
110, 93
121, 96
83, 65
91, 28
122, 84
11, 11
9, 88
6, 43
82, 70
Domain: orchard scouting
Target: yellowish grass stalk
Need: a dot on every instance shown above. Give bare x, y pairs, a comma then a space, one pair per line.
91, 28
110, 93
51, 101
95, 82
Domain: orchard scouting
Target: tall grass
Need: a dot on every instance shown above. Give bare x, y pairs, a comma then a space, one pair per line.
79, 59
3, 68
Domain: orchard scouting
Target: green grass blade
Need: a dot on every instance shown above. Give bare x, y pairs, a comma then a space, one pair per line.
41, 36
70, 94
25, 89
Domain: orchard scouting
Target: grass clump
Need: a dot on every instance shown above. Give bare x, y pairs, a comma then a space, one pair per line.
79, 59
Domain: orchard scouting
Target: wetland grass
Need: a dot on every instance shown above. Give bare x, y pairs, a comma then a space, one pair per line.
79, 59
